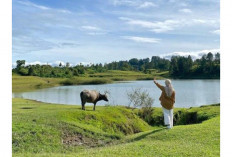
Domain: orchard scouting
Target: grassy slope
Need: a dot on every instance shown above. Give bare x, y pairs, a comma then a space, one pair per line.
117, 75
186, 115
40, 128
191, 140
28, 83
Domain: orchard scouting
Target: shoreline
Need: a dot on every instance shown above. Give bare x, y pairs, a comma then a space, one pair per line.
110, 105
31, 83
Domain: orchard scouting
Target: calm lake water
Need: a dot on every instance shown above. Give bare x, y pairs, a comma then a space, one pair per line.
189, 93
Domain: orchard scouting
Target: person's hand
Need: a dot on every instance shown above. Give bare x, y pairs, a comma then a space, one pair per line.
154, 80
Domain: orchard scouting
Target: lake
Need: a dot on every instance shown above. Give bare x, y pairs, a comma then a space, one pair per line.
189, 93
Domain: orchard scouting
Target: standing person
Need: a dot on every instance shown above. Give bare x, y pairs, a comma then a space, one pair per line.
167, 100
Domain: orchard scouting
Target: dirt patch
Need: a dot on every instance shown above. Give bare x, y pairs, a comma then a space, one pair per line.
80, 140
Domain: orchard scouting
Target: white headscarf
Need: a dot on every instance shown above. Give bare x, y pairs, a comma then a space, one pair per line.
168, 88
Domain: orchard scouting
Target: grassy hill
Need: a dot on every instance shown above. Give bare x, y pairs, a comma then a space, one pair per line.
41, 129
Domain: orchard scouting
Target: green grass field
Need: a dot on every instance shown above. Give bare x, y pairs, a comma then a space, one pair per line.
29, 83
41, 129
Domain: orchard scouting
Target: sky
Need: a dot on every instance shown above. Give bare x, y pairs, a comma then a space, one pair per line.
102, 31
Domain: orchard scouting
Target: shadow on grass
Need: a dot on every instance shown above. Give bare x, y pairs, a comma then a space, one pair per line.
86, 110
27, 108
147, 134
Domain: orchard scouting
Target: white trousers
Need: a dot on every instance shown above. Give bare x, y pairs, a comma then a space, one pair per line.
168, 117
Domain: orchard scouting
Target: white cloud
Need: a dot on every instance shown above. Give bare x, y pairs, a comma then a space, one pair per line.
216, 32
27, 44
165, 26
42, 23
27, 3
142, 39
158, 26
36, 62
193, 54
64, 11
92, 28
147, 5
134, 3
65, 26
96, 33
185, 10
169, 24
206, 22
68, 44
85, 63
199, 21
30, 4
124, 2
14, 65
55, 63
31, 63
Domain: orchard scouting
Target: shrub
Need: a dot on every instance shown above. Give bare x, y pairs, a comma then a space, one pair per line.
23, 71
141, 99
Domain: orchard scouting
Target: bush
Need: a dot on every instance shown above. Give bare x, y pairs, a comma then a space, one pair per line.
23, 71
142, 99
186, 118
182, 116
139, 98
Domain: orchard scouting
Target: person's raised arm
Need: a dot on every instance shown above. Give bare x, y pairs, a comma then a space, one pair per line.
157, 84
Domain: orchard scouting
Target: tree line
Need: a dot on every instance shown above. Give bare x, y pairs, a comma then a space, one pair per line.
178, 66
208, 66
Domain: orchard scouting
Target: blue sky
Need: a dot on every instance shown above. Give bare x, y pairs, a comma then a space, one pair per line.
101, 31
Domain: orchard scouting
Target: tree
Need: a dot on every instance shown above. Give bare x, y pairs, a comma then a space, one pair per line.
217, 58
20, 63
23, 71
125, 66
31, 71
188, 64
134, 62
203, 63
174, 69
67, 65
210, 64
179, 66
209, 57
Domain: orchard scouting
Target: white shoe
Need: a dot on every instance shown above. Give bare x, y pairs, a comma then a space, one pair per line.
169, 127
